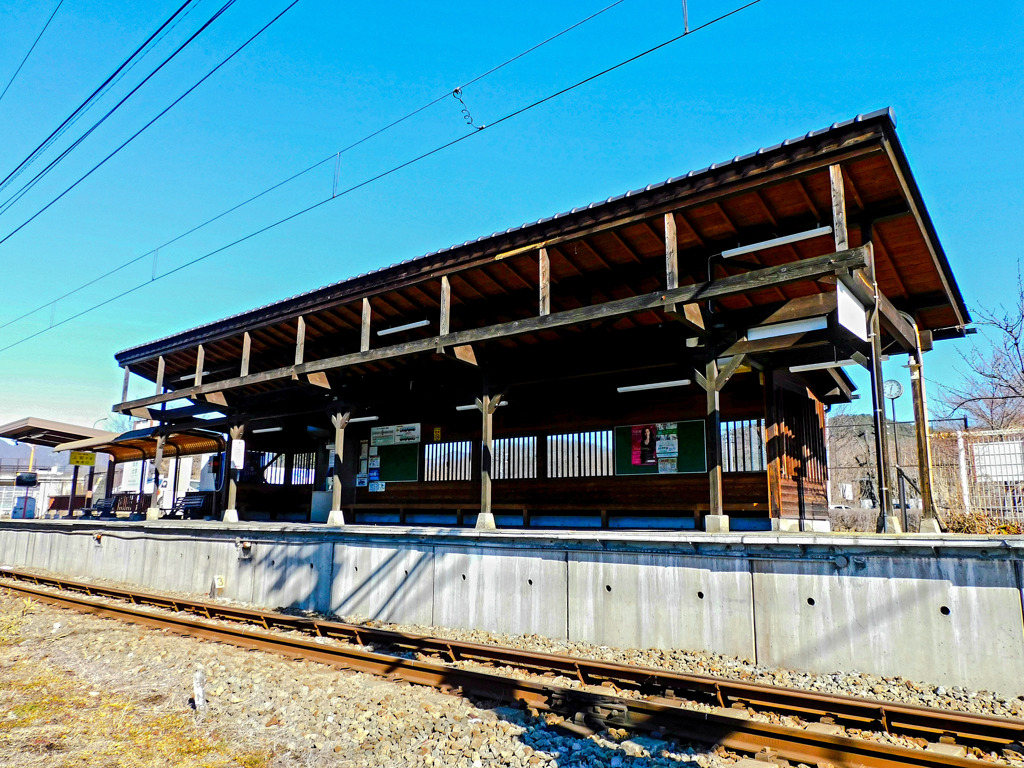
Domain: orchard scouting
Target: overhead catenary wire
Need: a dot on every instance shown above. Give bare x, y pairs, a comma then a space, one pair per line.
383, 174
31, 48
132, 62
96, 92
24, 190
314, 166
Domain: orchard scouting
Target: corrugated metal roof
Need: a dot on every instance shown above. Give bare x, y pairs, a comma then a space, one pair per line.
713, 168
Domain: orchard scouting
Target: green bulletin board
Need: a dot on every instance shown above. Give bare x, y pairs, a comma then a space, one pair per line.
399, 463
689, 445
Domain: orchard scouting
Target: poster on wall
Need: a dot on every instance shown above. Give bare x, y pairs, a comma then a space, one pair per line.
667, 441
668, 466
375, 462
644, 445
362, 479
376, 487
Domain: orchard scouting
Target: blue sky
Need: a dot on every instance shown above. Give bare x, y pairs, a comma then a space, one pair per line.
328, 73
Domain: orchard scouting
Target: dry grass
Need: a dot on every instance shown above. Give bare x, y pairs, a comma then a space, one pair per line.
50, 716
978, 522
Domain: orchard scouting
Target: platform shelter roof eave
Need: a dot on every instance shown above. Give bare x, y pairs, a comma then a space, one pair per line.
35, 431
141, 444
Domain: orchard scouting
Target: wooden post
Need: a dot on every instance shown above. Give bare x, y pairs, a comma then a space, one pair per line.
340, 421
246, 349
160, 375
773, 422
124, 388
364, 334
544, 282
839, 230
200, 361
444, 322
234, 436
300, 340
153, 513
671, 257
929, 515
716, 521
487, 405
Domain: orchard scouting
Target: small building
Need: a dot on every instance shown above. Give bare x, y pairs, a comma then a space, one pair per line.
661, 358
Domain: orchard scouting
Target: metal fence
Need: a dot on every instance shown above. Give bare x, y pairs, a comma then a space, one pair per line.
972, 470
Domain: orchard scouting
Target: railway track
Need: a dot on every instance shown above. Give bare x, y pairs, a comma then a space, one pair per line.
659, 707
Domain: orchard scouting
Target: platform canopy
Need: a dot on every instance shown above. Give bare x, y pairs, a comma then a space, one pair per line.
140, 444
527, 301
33, 431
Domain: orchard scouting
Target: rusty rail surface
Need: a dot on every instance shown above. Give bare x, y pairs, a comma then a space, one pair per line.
583, 709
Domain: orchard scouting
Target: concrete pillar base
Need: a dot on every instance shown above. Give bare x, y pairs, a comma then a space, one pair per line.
485, 522
230, 516
930, 525
892, 524
153, 513
716, 523
336, 518
795, 525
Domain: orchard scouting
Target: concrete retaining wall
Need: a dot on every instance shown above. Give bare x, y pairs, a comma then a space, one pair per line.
943, 610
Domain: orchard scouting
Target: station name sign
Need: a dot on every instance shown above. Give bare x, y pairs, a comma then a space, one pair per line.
399, 434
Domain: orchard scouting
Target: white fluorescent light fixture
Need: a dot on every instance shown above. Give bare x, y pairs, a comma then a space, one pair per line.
188, 376
400, 328
828, 364
655, 385
363, 418
267, 429
806, 325
785, 240
473, 406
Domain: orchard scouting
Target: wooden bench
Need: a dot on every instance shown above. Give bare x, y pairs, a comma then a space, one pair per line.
101, 508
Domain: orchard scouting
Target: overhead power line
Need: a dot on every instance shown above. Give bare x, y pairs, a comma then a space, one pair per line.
31, 48
384, 174
94, 94
103, 90
35, 180
312, 167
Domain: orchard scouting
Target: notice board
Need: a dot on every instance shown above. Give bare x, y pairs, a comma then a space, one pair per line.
661, 448
399, 463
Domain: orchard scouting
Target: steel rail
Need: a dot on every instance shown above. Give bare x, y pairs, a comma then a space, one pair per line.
583, 709
985, 732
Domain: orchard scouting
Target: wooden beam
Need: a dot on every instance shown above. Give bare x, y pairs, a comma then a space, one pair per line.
896, 324
835, 175
124, 388
200, 361
246, 349
160, 375
544, 282
808, 269
300, 340
779, 343
364, 335
728, 370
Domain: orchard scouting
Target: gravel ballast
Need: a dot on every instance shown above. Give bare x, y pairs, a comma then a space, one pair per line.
301, 714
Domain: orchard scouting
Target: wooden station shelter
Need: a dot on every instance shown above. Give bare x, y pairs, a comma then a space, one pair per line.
661, 357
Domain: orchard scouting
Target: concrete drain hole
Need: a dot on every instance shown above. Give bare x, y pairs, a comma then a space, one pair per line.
530, 582
463, 577
310, 565
607, 587
810, 601
700, 595
944, 610
355, 567
271, 563
406, 573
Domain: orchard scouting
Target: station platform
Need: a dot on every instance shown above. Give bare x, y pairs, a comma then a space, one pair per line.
942, 609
